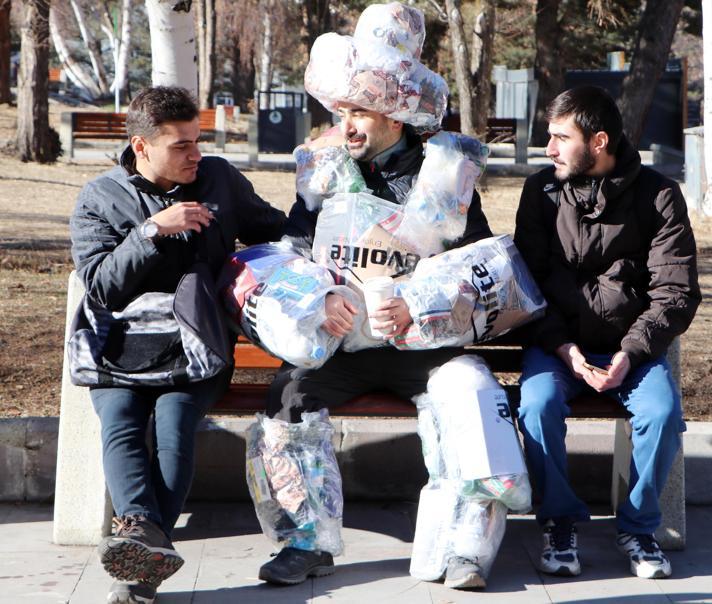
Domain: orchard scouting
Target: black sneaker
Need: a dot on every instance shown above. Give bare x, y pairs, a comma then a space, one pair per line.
131, 592
292, 566
139, 550
463, 573
560, 553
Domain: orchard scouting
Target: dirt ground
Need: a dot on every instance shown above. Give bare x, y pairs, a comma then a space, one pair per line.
35, 204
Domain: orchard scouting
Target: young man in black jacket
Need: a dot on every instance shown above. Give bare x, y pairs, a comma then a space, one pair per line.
139, 228
610, 245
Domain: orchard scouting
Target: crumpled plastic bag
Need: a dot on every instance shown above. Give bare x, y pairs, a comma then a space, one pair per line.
461, 512
276, 296
325, 171
294, 482
469, 294
378, 68
437, 205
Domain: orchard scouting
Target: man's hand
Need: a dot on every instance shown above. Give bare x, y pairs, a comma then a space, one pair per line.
574, 359
184, 216
614, 373
617, 372
339, 315
392, 317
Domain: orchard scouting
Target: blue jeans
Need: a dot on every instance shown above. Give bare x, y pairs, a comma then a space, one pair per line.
157, 485
650, 395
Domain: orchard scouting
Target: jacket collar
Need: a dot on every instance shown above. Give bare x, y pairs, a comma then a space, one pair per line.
404, 159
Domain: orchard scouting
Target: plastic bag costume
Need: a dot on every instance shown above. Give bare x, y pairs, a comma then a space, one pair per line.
462, 510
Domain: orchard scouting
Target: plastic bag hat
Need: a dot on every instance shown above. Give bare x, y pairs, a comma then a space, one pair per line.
378, 68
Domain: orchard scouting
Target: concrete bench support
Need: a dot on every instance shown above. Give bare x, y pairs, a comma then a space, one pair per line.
82, 507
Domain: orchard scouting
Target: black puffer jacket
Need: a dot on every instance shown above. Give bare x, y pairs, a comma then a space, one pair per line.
619, 273
393, 183
116, 264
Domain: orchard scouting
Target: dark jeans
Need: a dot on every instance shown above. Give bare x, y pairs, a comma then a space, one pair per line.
140, 483
349, 374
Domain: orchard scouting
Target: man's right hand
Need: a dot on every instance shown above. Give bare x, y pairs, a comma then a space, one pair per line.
339, 315
183, 216
574, 359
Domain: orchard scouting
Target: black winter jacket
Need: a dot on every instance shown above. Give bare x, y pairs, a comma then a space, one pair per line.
392, 183
618, 274
116, 264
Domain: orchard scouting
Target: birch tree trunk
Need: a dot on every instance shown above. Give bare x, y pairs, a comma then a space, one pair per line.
548, 65
75, 71
93, 48
652, 47
707, 115
206, 51
481, 67
5, 51
34, 140
266, 48
316, 18
461, 57
173, 55
121, 67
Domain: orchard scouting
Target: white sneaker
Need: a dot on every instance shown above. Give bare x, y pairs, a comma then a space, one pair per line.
560, 553
646, 558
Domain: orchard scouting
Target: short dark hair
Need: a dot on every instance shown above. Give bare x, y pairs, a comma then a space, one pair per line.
593, 110
154, 106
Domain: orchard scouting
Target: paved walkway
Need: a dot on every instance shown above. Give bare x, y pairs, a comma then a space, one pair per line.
224, 548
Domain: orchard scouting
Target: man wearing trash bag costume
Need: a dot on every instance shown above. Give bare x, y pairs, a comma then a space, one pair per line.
610, 244
379, 109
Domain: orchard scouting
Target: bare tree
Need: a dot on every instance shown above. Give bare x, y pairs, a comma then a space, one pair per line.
707, 115
265, 82
206, 16
119, 36
316, 20
172, 43
92, 45
652, 47
481, 63
461, 57
5, 51
548, 64
34, 139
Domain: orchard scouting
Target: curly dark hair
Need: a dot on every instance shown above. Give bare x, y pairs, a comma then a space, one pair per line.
154, 106
593, 110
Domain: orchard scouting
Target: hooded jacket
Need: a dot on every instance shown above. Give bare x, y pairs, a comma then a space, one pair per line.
617, 267
391, 182
116, 264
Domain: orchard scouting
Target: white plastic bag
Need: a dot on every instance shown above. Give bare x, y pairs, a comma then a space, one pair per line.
277, 298
294, 482
469, 294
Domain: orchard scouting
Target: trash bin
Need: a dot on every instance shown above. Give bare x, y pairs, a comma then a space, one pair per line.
280, 121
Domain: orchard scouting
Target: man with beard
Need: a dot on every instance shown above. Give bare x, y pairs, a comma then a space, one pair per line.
610, 245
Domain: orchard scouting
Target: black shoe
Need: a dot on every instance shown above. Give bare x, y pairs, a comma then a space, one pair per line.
131, 592
139, 551
292, 566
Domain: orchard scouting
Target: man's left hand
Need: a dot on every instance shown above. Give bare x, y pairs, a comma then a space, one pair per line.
616, 373
393, 317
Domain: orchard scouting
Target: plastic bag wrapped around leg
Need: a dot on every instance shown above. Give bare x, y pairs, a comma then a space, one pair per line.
469, 294
452, 524
277, 298
294, 482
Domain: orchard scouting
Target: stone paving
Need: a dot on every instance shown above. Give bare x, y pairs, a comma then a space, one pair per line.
223, 548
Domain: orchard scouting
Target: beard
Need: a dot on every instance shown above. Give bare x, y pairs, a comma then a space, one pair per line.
579, 165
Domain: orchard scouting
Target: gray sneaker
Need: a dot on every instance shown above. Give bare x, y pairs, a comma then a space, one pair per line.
559, 555
139, 550
292, 566
131, 592
463, 573
647, 560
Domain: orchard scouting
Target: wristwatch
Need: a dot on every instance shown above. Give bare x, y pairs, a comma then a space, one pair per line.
148, 229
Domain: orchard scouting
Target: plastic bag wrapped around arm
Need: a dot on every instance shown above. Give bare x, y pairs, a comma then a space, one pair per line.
276, 296
294, 482
469, 294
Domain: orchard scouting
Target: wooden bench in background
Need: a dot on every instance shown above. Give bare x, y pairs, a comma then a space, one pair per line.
82, 510
104, 125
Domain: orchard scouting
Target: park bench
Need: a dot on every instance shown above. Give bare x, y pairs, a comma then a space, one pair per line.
82, 510
103, 125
